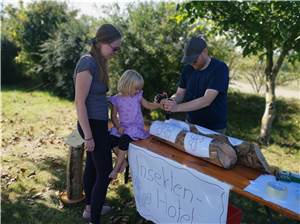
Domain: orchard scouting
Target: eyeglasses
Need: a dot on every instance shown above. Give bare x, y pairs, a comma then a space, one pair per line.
114, 49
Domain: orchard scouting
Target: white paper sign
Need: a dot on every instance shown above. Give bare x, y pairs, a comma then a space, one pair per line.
205, 131
235, 141
164, 130
168, 192
180, 124
197, 145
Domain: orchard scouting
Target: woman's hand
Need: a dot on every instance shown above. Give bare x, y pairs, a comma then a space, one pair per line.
89, 144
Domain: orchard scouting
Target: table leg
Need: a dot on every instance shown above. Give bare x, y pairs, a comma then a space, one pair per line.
126, 175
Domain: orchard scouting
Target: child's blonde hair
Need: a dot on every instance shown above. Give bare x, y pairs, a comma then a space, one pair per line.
129, 82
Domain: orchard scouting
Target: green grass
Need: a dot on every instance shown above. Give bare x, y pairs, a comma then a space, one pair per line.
35, 124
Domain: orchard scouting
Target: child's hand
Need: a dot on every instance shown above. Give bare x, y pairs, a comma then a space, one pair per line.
159, 97
121, 130
123, 166
113, 175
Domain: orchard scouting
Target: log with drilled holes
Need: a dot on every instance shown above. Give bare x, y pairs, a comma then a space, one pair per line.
218, 153
248, 153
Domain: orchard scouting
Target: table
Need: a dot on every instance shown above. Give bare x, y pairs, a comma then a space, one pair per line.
239, 177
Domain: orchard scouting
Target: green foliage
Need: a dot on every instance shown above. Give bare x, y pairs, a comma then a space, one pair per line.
251, 70
10, 71
152, 45
254, 25
60, 53
289, 72
29, 27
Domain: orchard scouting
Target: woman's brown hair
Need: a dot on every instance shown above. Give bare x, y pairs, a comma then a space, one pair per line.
106, 34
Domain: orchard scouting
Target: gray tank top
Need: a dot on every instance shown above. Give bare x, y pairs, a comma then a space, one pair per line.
96, 101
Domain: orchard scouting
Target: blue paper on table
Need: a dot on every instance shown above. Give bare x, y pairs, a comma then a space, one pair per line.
291, 201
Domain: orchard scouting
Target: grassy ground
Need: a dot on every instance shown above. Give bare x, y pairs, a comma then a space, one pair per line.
34, 125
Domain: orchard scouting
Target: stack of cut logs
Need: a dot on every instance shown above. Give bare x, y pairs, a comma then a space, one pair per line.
214, 147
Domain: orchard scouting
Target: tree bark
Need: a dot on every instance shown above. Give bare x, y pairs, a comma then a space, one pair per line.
74, 167
74, 173
269, 114
270, 107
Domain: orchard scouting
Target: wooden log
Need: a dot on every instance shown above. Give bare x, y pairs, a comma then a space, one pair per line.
219, 153
249, 154
74, 192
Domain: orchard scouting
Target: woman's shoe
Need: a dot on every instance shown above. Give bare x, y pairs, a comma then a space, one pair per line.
87, 212
105, 209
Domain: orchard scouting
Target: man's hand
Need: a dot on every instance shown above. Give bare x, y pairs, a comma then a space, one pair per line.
162, 103
170, 105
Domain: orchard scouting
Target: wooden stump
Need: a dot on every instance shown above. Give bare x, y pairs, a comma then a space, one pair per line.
74, 192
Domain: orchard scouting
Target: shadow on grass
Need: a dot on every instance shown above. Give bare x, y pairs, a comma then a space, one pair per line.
57, 167
21, 211
124, 210
26, 208
244, 116
29, 87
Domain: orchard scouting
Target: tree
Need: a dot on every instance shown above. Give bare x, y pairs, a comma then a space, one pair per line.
268, 27
10, 73
30, 26
152, 44
251, 69
60, 53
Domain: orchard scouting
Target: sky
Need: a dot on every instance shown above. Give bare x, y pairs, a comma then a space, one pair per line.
87, 7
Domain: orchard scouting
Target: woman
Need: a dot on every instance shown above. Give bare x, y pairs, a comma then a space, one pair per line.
91, 84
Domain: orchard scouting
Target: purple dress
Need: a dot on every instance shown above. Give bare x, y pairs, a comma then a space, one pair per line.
130, 116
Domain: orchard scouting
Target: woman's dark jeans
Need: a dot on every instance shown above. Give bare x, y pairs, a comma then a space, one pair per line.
97, 168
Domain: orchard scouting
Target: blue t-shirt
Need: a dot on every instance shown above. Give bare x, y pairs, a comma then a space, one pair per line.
196, 82
96, 101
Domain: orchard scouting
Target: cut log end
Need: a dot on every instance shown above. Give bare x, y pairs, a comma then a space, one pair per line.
63, 196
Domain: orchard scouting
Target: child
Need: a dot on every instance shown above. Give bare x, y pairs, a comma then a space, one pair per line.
127, 117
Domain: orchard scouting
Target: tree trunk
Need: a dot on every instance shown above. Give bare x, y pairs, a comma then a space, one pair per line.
269, 114
270, 109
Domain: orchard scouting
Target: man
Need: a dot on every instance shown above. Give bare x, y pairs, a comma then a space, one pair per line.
202, 91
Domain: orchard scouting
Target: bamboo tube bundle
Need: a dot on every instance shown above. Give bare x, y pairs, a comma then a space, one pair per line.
248, 153
218, 153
